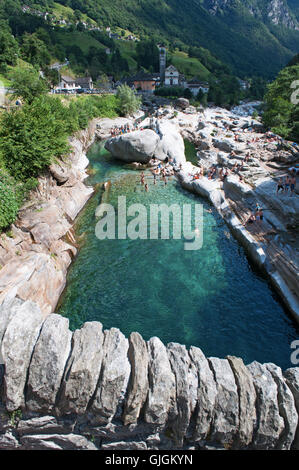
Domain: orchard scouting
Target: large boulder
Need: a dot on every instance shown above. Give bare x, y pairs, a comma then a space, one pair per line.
180, 362
83, 369
138, 385
226, 410
292, 380
206, 394
162, 385
136, 146
110, 394
270, 422
17, 346
287, 408
171, 143
182, 103
47, 364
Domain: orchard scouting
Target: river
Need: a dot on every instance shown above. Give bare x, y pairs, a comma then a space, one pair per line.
212, 298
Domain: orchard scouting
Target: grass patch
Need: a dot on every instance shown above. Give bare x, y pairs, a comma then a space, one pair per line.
190, 67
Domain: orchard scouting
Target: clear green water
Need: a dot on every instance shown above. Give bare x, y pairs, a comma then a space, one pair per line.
211, 298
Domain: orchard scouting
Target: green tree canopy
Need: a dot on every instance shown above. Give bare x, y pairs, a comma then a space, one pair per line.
129, 101
27, 83
281, 104
8, 46
34, 50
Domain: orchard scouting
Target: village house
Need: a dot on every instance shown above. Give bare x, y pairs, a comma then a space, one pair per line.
85, 83
145, 82
196, 85
69, 84
66, 83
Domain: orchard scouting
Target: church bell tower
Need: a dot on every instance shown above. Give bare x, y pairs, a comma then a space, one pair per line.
162, 50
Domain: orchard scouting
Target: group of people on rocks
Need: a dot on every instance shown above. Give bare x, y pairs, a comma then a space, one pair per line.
284, 185
255, 216
120, 130
159, 171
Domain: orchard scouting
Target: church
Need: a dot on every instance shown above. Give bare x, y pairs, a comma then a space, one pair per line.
171, 77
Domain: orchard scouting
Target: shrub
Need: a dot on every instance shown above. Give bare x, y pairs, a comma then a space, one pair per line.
129, 102
8, 201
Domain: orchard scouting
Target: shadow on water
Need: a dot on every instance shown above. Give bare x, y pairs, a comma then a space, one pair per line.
211, 298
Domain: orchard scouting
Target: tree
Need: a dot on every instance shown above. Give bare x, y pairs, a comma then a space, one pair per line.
34, 50
8, 201
148, 55
33, 136
281, 113
129, 101
103, 82
188, 94
28, 84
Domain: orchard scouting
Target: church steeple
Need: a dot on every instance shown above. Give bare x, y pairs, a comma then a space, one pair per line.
162, 56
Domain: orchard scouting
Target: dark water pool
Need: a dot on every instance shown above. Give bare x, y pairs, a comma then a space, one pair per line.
211, 298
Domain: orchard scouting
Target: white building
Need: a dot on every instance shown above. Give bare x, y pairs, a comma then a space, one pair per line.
68, 84
196, 85
171, 76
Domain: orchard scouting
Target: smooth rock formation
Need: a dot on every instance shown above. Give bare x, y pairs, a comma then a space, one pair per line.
287, 408
182, 103
137, 146
41, 425
138, 385
56, 442
171, 143
17, 345
247, 399
180, 362
114, 377
47, 364
226, 411
292, 379
206, 394
162, 385
270, 423
83, 369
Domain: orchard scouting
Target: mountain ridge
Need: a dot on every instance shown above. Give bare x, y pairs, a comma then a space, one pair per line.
240, 34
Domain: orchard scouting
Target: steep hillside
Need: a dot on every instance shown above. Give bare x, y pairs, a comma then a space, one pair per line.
253, 37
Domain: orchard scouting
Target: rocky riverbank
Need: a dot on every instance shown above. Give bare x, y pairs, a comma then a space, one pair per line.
34, 258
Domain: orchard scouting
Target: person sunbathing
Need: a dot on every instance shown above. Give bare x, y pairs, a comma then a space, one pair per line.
250, 219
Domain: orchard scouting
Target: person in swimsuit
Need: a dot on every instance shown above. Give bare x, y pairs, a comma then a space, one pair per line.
280, 186
250, 219
293, 185
286, 184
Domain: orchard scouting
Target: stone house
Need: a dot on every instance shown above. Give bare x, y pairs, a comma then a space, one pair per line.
146, 82
172, 76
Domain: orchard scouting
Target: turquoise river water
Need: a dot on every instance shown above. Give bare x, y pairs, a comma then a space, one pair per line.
211, 298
